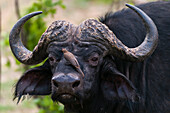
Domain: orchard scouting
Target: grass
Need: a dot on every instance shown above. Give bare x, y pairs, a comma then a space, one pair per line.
4, 108
7, 105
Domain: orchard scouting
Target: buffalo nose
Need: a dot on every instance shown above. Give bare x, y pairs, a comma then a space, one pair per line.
66, 81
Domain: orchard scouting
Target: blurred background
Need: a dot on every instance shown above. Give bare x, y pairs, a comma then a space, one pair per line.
74, 11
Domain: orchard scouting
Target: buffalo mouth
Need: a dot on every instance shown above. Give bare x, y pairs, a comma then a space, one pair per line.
66, 98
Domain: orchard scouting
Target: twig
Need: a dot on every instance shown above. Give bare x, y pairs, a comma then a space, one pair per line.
23, 35
0, 53
17, 9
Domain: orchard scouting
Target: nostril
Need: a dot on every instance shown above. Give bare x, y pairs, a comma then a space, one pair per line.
76, 84
55, 83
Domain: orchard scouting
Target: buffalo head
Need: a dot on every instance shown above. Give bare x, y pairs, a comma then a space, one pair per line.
80, 64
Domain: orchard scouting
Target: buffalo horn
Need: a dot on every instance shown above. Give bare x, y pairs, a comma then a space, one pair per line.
146, 48
19, 50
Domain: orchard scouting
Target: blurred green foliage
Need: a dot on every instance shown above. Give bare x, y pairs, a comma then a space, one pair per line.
96, 1
34, 28
85, 3
7, 106
108, 2
38, 23
46, 105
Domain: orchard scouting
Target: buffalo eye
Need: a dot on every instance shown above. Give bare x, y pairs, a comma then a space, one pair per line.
53, 59
94, 59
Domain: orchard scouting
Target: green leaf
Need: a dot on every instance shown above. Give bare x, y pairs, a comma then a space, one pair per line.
46, 105
17, 62
8, 63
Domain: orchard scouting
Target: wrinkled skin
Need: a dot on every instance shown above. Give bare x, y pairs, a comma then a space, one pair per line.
101, 79
90, 64
68, 86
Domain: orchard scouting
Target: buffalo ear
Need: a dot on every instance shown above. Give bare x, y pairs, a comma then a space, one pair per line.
115, 85
36, 81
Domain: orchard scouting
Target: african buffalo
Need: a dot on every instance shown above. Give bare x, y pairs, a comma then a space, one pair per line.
117, 64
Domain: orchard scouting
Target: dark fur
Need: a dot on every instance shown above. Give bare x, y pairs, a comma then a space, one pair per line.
119, 86
129, 29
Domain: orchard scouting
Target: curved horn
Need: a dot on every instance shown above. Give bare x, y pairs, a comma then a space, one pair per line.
19, 50
146, 48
